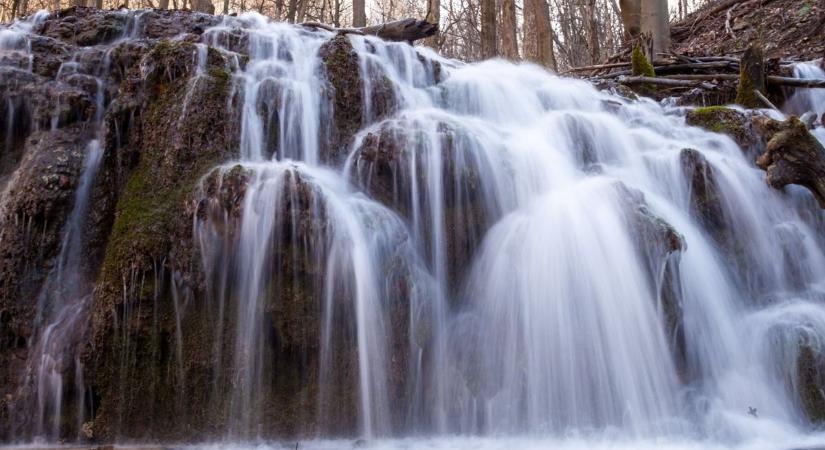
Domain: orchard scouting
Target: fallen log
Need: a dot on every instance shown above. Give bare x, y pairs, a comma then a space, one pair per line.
665, 82
796, 82
404, 30
814, 83
696, 66
703, 76
664, 66
765, 100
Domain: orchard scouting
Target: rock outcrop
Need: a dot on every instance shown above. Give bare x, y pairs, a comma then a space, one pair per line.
719, 119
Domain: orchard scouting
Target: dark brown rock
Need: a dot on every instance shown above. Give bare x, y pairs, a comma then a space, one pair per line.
346, 88
810, 370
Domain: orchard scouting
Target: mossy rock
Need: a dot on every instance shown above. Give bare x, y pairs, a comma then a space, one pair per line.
345, 90
181, 128
724, 120
810, 382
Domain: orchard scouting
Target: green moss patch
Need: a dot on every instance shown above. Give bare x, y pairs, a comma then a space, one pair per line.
728, 121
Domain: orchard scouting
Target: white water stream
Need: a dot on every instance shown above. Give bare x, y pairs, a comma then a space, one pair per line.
558, 328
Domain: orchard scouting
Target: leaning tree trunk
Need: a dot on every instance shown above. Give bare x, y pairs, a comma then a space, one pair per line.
488, 29
359, 14
655, 23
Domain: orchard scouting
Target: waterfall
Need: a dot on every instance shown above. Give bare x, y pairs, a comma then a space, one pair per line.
64, 302
517, 196
809, 100
55, 367
456, 255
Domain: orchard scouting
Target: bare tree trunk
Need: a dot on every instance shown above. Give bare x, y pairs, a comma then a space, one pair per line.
656, 23
291, 11
488, 29
433, 16
538, 34
15, 9
336, 18
204, 6
302, 10
631, 18
509, 38
359, 14
163, 4
591, 24
225, 6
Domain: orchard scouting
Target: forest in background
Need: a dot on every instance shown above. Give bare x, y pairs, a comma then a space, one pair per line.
558, 34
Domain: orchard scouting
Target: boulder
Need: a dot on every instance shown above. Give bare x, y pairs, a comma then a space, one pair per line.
719, 119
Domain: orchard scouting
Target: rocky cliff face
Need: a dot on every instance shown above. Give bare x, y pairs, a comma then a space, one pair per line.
160, 97
205, 291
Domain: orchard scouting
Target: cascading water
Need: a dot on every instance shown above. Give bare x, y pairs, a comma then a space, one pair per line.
500, 253
553, 323
809, 100
55, 370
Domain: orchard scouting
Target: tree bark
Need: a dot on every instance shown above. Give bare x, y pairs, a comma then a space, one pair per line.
291, 10
592, 26
631, 18
302, 10
538, 34
204, 6
488, 29
433, 16
656, 24
509, 37
751, 77
359, 14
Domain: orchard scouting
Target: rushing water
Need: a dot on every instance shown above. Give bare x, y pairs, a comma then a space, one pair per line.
809, 100
558, 280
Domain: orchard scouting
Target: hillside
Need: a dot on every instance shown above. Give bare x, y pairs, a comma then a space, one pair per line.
788, 29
